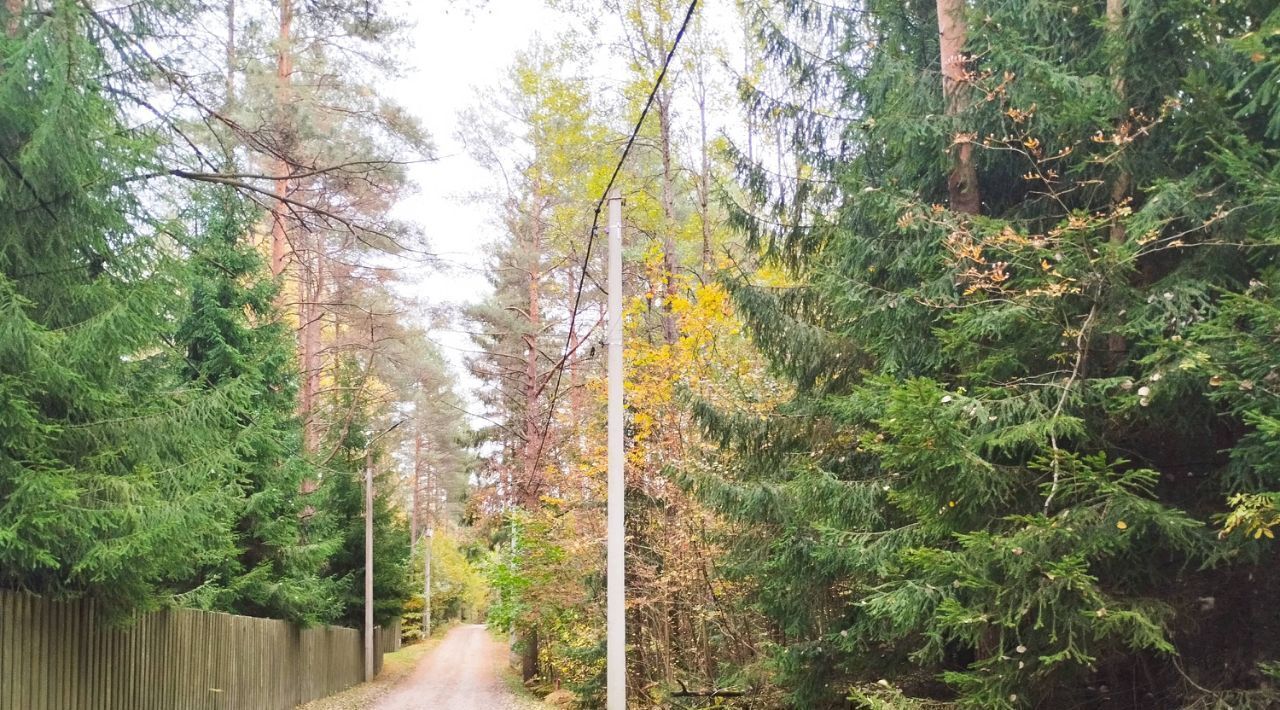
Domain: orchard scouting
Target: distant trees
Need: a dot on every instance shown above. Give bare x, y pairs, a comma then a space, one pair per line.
547, 155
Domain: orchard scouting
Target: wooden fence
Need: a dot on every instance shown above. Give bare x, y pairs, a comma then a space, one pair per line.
66, 656
386, 640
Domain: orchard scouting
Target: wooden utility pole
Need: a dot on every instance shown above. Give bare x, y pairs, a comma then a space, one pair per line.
231, 57
1124, 180
670, 263
533, 436
616, 619
311, 288
704, 180
426, 563
1117, 346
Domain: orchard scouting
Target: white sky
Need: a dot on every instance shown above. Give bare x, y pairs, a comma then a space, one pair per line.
457, 49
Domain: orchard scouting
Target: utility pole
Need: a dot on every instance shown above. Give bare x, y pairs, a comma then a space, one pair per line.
417, 484
616, 619
426, 567
368, 563
368, 551
426, 588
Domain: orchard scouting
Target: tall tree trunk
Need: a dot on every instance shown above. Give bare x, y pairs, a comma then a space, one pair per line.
13, 8
669, 261
704, 180
532, 432
284, 74
1117, 347
962, 183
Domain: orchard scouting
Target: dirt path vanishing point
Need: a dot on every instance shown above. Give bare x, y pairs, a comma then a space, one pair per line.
463, 673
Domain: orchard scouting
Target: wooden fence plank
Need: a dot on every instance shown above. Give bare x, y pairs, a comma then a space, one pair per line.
6, 650
40, 672
19, 676
64, 639
7, 646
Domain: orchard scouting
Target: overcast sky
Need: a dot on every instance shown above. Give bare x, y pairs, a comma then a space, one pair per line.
458, 47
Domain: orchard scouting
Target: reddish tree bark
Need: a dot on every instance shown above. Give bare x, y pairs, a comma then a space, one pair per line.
962, 183
284, 73
14, 22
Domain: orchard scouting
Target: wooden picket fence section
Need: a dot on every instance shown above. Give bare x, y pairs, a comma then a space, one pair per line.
386, 640
66, 656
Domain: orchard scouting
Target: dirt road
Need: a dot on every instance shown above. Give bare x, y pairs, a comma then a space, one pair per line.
465, 672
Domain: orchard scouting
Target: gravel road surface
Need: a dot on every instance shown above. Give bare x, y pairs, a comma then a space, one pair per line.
465, 672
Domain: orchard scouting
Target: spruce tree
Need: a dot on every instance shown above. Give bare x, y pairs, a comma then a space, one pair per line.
238, 349
341, 502
1026, 463
110, 484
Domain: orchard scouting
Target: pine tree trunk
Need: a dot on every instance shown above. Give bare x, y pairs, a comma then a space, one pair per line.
284, 73
13, 8
962, 183
531, 428
1117, 347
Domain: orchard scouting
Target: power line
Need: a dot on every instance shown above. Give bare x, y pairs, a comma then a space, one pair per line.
595, 221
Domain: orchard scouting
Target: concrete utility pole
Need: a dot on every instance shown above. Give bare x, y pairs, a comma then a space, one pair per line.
368, 563
426, 587
368, 550
616, 619
417, 484
426, 566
